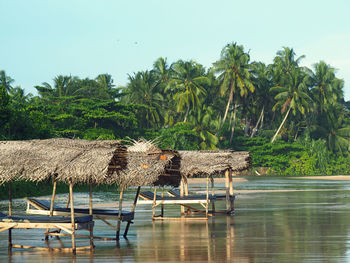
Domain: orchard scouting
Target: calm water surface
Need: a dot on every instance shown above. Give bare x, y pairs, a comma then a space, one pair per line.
276, 220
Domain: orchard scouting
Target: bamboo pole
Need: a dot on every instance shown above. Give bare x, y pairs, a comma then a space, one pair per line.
182, 194
132, 211
154, 202
232, 207
10, 214
72, 216
212, 194
51, 205
185, 185
162, 205
120, 211
227, 182
207, 206
91, 237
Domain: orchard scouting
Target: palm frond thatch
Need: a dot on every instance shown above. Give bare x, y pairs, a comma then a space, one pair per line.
81, 161
197, 163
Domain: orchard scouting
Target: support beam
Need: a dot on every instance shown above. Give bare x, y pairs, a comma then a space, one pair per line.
51, 204
120, 211
154, 202
72, 216
10, 214
91, 237
232, 206
182, 194
132, 211
207, 205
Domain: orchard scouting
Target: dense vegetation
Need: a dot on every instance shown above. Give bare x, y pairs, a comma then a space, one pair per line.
293, 119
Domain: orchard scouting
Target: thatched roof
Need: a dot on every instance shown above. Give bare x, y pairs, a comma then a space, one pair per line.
144, 164
196, 163
81, 161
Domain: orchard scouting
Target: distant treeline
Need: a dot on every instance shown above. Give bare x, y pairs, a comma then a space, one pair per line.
293, 119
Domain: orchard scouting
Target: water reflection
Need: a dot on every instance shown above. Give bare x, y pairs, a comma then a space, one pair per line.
296, 226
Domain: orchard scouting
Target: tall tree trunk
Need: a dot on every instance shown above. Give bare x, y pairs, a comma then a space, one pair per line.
230, 99
186, 114
257, 124
234, 122
285, 117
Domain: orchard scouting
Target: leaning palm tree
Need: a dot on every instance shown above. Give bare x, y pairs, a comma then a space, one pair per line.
187, 84
293, 96
233, 70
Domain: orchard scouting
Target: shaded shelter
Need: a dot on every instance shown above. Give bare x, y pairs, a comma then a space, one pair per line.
213, 163
91, 162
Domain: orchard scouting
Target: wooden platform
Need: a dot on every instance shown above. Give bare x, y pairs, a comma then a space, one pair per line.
44, 222
42, 207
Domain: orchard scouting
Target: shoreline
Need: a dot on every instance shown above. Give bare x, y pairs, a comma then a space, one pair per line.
245, 178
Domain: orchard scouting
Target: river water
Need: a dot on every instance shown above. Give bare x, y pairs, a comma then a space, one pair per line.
276, 220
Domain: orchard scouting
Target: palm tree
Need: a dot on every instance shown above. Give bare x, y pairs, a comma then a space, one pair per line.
203, 122
327, 89
187, 84
261, 98
63, 87
5, 81
162, 72
284, 63
292, 96
233, 69
333, 127
141, 89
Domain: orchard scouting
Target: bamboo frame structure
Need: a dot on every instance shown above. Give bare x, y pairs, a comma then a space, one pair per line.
13, 223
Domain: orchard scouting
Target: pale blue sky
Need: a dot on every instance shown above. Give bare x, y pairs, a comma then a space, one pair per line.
41, 39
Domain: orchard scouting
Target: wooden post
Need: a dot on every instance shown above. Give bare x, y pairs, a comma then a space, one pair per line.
68, 201
154, 202
72, 216
227, 191
182, 194
90, 213
232, 207
90, 198
162, 205
213, 195
53, 197
10, 214
207, 197
132, 211
185, 185
51, 205
120, 211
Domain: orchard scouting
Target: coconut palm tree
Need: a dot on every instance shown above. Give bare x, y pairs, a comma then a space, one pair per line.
233, 70
293, 96
261, 99
203, 122
187, 85
5, 81
334, 128
141, 89
326, 89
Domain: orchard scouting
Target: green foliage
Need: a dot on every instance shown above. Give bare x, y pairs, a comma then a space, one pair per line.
98, 134
178, 137
186, 106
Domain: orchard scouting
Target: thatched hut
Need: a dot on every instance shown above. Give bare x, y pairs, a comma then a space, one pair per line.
213, 163
82, 161
204, 163
92, 162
